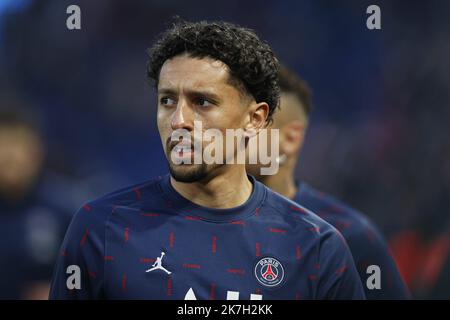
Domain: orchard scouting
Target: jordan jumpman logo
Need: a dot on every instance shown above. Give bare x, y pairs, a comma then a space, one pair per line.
158, 264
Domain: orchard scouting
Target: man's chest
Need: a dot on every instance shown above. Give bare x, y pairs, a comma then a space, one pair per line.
217, 264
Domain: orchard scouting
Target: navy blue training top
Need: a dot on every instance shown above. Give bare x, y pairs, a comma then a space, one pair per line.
149, 242
366, 243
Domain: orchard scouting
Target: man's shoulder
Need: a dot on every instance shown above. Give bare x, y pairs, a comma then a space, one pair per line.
328, 206
297, 215
132, 196
348, 220
138, 192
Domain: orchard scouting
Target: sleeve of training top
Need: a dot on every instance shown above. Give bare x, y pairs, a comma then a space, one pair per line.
79, 271
339, 279
370, 248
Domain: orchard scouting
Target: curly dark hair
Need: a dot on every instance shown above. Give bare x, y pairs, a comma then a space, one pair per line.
252, 64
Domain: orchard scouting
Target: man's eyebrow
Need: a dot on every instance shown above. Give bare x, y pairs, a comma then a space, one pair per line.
206, 93
166, 91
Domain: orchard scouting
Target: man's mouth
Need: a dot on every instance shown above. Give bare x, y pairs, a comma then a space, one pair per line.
183, 151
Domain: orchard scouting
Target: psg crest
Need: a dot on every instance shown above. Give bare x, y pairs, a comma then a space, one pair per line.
269, 272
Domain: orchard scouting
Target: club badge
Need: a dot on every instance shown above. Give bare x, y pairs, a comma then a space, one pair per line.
269, 272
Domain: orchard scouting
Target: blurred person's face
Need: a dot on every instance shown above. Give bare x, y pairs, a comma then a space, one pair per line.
193, 89
21, 157
291, 121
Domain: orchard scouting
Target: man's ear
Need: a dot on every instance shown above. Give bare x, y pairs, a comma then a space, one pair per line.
292, 136
258, 113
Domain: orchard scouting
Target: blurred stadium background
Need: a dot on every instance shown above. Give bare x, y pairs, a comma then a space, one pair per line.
379, 137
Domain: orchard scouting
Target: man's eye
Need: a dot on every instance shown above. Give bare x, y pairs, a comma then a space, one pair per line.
167, 101
203, 102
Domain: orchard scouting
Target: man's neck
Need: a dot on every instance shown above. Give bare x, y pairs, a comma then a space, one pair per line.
228, 189
283, 182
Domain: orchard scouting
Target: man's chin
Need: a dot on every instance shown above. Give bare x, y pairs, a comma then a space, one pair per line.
188, 173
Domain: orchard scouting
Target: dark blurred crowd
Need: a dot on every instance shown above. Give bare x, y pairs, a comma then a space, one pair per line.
77, 117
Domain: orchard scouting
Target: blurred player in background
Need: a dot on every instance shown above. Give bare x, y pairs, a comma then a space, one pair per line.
366, 243
206, 230
31, 224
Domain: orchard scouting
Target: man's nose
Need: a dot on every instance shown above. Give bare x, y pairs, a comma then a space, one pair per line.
182, 118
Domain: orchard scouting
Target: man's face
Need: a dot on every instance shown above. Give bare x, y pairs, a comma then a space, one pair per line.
287, 121
193, 89
20, 159
262, 148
